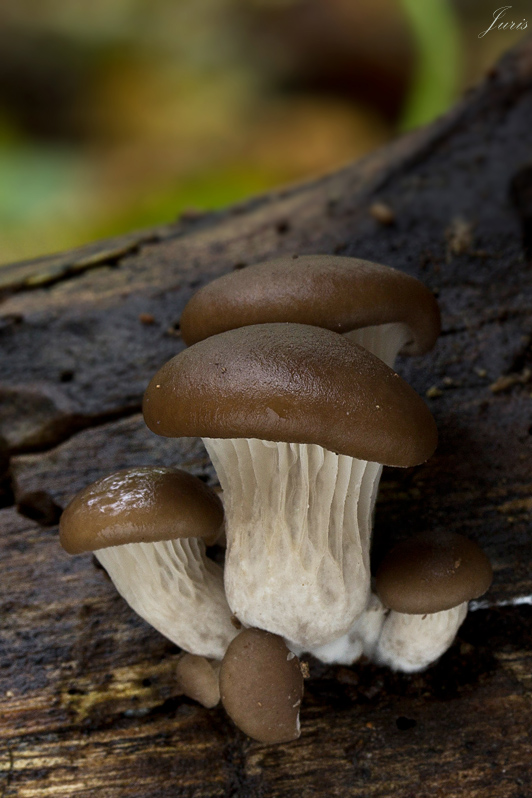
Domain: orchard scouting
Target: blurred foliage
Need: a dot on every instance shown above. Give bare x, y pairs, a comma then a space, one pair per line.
118, 114
438, 68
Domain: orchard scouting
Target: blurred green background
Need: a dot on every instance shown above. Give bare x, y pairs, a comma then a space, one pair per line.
119, 114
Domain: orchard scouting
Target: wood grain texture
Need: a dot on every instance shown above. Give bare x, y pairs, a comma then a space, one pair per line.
89, 705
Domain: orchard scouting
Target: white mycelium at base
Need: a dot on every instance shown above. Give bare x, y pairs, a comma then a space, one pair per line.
361, 639
298, 531
410, 643
383, 340
176, 589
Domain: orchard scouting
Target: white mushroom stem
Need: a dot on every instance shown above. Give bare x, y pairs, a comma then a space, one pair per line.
383, 340
361, 639
410, 643
298, 521
176, 589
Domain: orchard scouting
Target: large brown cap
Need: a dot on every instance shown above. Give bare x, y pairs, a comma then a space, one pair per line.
261, 686
337, 293
432, 572
293, 383
140, 505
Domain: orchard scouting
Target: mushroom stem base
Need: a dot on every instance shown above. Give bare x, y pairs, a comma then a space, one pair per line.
410, 643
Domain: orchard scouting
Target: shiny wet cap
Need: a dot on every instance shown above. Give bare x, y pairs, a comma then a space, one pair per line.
140, 505
292, 383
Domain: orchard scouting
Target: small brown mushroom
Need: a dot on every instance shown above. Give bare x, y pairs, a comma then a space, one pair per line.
381, 308
427, 582
148, 527
432, 572
198, 678
261, 686
140, 505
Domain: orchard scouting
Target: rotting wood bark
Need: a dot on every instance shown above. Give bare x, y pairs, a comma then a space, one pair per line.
89, 705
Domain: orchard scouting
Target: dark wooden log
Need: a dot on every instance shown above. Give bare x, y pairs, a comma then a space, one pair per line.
88, 699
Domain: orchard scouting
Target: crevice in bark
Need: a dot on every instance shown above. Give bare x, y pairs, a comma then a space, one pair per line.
7, 495
521, 196
523, 358
39, 506
68, 426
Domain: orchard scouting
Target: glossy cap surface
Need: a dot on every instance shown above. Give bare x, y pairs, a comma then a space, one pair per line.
140, 505
338, 293
292, 383
432, 572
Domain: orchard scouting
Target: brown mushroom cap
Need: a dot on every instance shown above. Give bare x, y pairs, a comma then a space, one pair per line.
293, 383
261, 686
140, 505
340, 294
432, 572
199, 679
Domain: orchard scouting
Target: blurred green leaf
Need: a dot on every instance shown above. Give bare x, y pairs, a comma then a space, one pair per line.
35, 182
439, 60
216, 188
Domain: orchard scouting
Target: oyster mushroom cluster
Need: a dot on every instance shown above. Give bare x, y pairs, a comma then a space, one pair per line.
287, 377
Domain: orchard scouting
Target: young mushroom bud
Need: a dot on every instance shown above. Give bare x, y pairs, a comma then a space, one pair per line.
198, 678
261, 686
291, 414
148, 527
427, 582
382, 309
